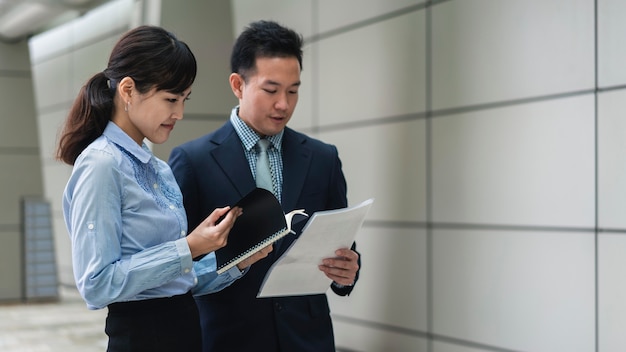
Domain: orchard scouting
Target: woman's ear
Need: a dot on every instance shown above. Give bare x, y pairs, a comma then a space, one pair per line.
125, 89
236, 84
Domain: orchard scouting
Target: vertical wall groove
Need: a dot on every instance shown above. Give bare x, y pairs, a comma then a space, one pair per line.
429, 219
596, 174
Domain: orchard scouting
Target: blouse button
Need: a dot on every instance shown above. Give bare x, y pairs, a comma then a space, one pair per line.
182, 234
155, 186
90, 226
171, 206
187, 270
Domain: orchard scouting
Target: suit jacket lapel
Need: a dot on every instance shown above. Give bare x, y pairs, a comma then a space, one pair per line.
296, 163
230, 157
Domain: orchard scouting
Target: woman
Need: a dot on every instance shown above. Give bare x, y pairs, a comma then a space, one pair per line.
123, 209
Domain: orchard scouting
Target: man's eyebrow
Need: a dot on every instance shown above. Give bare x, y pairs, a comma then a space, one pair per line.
274, 83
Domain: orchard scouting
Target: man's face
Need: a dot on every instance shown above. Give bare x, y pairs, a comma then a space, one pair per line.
269, 97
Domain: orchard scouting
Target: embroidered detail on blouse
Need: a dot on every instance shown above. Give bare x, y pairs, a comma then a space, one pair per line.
151, 181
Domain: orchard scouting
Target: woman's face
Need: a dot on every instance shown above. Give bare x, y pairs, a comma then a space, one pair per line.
152, 115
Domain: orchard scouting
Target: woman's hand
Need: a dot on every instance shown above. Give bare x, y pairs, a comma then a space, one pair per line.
209, 236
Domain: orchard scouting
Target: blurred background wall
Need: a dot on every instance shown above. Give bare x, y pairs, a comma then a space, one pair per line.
489, 132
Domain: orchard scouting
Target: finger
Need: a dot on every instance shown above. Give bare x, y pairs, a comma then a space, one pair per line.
339, 276
340, 267
264, 252
337, 263
216, 214
347, 254
229, 219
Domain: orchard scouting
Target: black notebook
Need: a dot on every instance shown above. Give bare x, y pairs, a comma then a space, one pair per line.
261, 224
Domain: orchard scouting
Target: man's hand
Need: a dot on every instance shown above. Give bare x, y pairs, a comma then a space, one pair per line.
255, 257
342, 268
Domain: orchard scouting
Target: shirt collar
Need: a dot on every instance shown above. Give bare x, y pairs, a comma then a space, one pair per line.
248, 137
116, 135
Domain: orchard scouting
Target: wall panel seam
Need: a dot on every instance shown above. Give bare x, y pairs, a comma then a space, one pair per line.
7, 151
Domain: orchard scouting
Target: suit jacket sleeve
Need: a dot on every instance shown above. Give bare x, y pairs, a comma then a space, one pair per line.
182, 168
340, 190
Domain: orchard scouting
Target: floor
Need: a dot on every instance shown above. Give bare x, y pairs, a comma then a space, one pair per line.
63, 326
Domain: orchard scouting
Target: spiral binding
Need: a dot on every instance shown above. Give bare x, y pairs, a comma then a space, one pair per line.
245, 255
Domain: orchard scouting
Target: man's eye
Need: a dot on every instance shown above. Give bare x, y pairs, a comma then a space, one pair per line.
172, 100
270, 91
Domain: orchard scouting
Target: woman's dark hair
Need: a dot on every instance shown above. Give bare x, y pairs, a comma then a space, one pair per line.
152, 57
264, 39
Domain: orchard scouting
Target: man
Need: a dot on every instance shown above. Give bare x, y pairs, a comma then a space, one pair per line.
219, 168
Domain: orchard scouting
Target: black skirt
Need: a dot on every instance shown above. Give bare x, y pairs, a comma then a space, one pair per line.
160, 324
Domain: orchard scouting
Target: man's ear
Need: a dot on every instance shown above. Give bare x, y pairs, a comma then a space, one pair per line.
236, 84
125, 89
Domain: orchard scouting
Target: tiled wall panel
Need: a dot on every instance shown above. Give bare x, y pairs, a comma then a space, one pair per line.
53, 42
401, 298
336, 15
20, 176
438, 346
12, 57
524, 291
211, 91
52, 81
487, 50
18, 113
305, 115
351, 337
63, 249
611, 292
91, 27
49, 125
611, 48
11, 270
372, 158
530, 164
57, 174
20, 170
88, 60
295, 14
374, 71
611, 160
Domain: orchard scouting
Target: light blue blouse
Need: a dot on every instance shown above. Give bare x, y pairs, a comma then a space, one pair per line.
124, 213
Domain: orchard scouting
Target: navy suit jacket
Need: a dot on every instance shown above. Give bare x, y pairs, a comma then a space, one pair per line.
213, 172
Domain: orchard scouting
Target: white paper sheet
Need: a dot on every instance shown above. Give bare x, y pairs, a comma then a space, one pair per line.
296, 272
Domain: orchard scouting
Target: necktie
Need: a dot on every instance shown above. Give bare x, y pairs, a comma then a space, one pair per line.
263, 173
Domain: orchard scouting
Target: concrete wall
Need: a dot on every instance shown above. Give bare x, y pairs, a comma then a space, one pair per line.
20, 173
489, 132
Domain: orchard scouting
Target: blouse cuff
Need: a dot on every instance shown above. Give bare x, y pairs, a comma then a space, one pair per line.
186, 262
